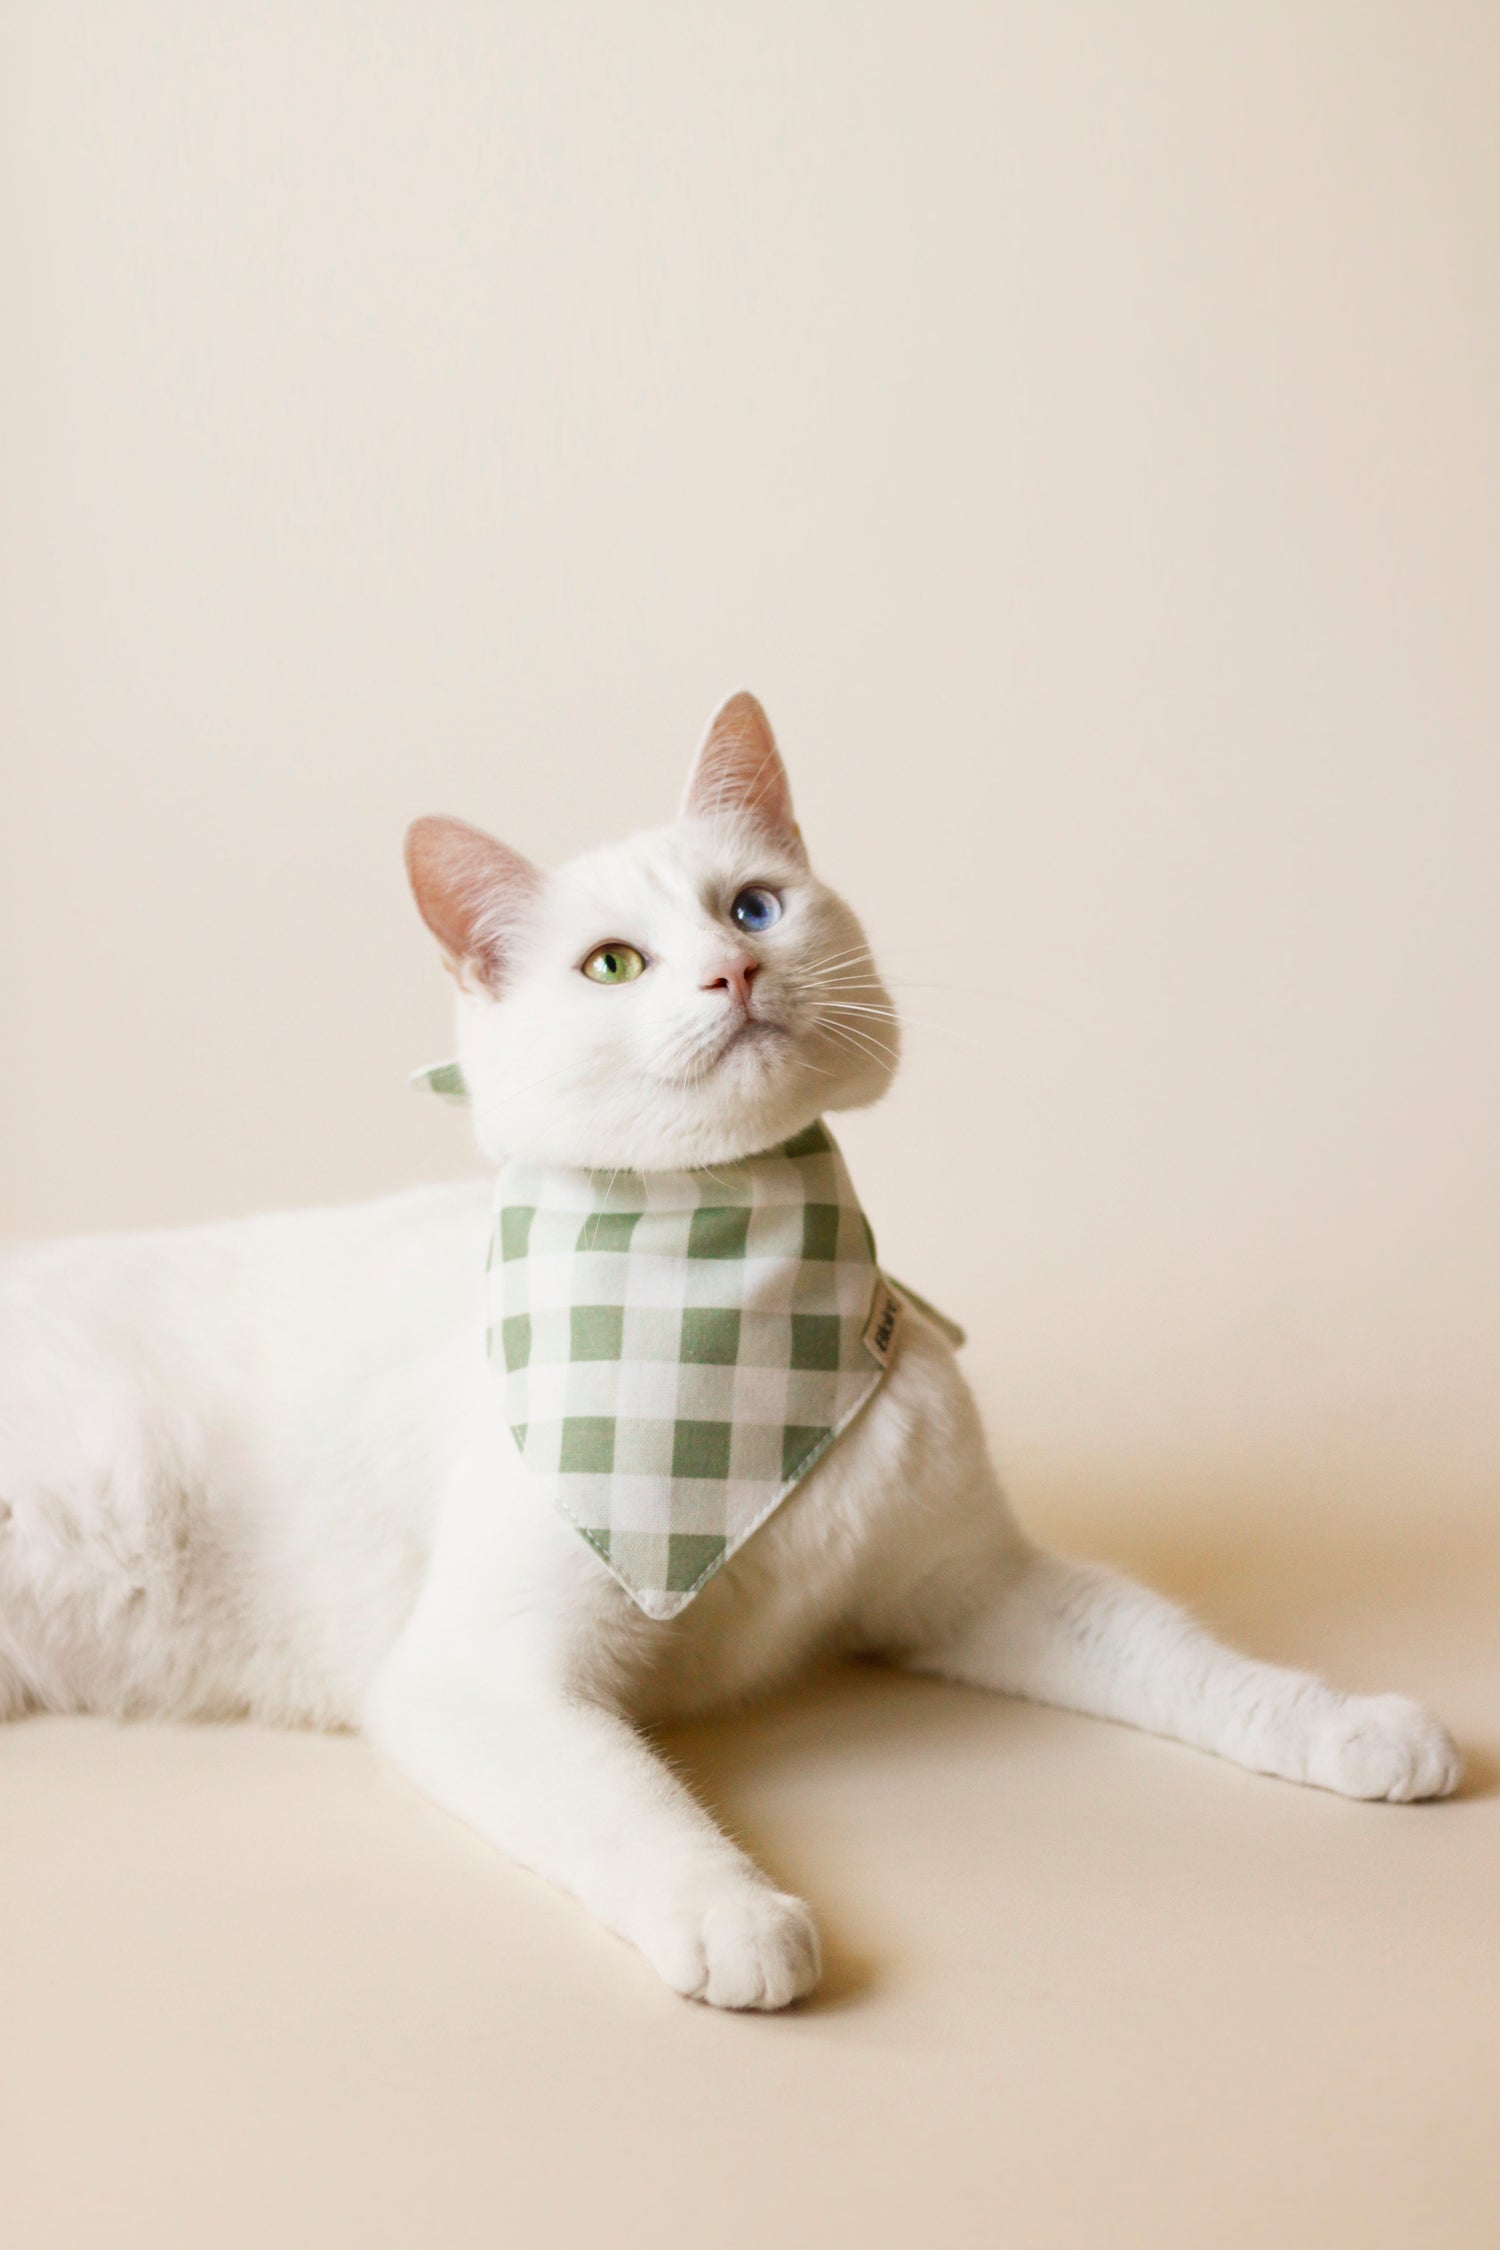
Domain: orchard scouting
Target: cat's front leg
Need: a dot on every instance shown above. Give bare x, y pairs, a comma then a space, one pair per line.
1079, 1636
569, 1789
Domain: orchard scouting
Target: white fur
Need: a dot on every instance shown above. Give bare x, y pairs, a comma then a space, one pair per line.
257, 1468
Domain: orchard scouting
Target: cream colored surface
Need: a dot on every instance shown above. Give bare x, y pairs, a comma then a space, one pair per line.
1079, 426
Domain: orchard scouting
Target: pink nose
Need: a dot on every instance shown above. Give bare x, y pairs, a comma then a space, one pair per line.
737, 978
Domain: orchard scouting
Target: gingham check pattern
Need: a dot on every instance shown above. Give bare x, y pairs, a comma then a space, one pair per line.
678, 1348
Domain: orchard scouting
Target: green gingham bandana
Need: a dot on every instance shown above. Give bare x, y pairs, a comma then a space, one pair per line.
678, 1348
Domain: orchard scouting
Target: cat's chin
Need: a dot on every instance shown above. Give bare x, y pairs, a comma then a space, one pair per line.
689, 1145
675, 1129
745, 1064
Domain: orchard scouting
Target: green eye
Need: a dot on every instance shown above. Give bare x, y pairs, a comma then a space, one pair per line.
613, 964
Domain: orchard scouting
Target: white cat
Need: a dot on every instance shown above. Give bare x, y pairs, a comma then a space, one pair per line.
262, 1468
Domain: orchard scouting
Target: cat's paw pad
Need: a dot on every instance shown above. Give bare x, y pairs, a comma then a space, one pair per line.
1385, 1746
742, 1946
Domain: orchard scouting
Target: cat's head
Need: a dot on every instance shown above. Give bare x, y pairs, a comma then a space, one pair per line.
689, 996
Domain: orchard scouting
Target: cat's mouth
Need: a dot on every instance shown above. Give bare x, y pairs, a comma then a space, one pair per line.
747, 1036
749, 1032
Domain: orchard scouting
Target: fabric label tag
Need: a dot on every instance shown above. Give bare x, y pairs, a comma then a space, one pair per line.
884, 1323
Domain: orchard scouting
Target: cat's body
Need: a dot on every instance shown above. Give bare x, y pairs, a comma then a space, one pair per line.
237, 1441
262, 1468
224, 1450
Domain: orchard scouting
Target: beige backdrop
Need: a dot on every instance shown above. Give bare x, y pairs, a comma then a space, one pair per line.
1079, 425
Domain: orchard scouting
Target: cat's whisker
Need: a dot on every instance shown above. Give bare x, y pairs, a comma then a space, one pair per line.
823, 978
905, 1022
869, 987
860, 1040
853, 979
878, 950
902, 1022
845, 1008
603, 1208
859, 956
826, 992
841, 961
833, 960
871, 1037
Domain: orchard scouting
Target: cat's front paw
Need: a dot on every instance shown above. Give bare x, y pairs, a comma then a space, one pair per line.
739, 1945
1384, 1746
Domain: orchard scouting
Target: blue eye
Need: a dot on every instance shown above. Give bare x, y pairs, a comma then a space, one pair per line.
755, 908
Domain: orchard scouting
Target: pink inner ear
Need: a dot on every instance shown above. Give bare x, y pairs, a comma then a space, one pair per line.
738, 769
472, 892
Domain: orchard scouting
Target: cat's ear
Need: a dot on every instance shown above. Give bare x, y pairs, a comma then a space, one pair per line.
738, 769
474, 895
